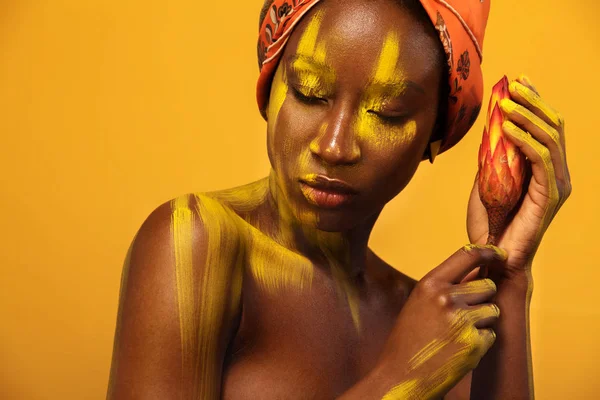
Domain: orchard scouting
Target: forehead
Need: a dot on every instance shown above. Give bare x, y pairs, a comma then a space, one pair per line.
352, 36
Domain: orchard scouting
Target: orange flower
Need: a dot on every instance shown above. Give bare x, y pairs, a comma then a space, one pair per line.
501, 167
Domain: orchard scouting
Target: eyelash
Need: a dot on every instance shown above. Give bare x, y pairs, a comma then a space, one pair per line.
313, 100
307, 99
387, 119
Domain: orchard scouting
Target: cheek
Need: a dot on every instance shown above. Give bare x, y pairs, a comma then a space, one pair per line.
392, 147
277, 97
396, 152
382, 138
291, 138
290, 135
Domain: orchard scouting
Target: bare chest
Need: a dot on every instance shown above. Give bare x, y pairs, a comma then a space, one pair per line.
311, 341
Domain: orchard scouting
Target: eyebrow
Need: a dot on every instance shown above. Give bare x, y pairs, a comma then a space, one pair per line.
398, 86
395, 87
301, 62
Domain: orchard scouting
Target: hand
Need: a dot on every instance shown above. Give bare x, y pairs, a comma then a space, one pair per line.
443, 330
538, 131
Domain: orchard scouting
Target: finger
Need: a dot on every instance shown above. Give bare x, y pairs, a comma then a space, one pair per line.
542, 168
487, 337
484, 315
531, 100
474, 292
458, 265
540, 130
471, 276
524, 79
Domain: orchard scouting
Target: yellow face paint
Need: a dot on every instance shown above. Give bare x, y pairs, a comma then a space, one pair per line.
279, 89
307, 48
308, 42
387, 83
270, 259
310, 68
314, 147
385, 70
316, 78
313, 80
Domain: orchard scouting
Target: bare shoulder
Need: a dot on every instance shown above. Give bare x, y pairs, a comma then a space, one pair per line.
398, 282
245, 201
180, 297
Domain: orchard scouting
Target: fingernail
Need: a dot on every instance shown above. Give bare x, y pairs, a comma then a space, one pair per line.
507, 105
501, 253
507, 125
491, 283
496, 309
526, 79
514, 86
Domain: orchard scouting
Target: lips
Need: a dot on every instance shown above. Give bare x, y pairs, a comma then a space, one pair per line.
326, 192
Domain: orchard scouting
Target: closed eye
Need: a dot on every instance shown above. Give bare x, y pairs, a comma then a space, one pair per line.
391, 119
307, 99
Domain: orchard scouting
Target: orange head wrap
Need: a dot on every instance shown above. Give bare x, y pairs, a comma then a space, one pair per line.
461, 27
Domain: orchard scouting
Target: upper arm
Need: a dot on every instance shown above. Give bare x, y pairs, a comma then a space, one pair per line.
180, 296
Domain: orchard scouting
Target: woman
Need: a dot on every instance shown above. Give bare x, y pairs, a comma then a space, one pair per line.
270, 290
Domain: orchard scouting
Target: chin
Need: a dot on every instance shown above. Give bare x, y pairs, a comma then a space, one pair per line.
334, 223
339, 220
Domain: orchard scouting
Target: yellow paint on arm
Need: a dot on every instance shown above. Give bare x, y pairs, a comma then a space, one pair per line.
427, 383
404, 391
220, 290
182, 225
208, 269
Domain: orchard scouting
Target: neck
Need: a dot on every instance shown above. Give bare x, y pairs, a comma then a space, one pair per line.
345, 250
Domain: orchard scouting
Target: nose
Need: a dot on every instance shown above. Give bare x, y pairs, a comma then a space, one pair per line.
336, 143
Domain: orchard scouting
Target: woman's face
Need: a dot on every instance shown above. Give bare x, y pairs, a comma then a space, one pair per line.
351, 109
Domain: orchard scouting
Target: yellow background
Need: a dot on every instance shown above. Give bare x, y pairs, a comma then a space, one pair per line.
109, 108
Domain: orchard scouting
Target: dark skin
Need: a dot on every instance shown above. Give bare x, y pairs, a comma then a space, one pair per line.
300, 343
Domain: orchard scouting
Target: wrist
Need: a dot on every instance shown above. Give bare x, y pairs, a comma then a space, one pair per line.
516, 286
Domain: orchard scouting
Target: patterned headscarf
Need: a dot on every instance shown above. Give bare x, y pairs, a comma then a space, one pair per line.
461, 27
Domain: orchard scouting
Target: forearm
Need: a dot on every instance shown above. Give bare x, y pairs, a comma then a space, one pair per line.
505, 372
381, 384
